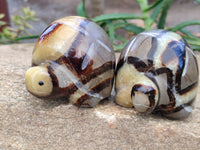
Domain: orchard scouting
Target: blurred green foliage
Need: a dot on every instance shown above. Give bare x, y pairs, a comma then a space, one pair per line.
152, 14
21, 23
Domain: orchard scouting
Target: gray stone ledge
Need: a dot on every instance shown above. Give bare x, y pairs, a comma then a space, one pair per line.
27, 122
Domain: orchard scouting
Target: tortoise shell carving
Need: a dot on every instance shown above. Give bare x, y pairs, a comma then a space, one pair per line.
73, 58
157, 72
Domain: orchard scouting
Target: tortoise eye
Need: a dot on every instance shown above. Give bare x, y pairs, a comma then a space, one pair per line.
41, 83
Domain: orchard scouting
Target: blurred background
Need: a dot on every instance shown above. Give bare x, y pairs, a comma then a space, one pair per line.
50, 10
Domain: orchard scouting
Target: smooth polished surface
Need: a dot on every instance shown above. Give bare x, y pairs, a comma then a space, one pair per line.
79, 60
27, 122
161, 65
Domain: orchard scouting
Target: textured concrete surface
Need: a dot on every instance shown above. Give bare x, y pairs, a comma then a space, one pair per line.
27, 122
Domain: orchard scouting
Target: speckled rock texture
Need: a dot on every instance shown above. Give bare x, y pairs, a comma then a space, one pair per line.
27, 122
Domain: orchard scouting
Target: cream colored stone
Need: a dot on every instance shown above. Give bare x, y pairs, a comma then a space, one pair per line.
34, 76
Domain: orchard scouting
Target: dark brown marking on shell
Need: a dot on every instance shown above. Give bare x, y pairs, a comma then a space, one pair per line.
119, 65
94, 73
148, 90
170, 84
74, 63
171, 97
139, 64
57, 91
179, 48
169, 75
165, 108
153, 49
172, 109
183, 91
67, 91
170, 106
151, 75
81, 100
150, 72
49, 30
78, 64
96, 89
53, 76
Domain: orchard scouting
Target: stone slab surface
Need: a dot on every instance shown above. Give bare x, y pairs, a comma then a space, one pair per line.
27, 122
